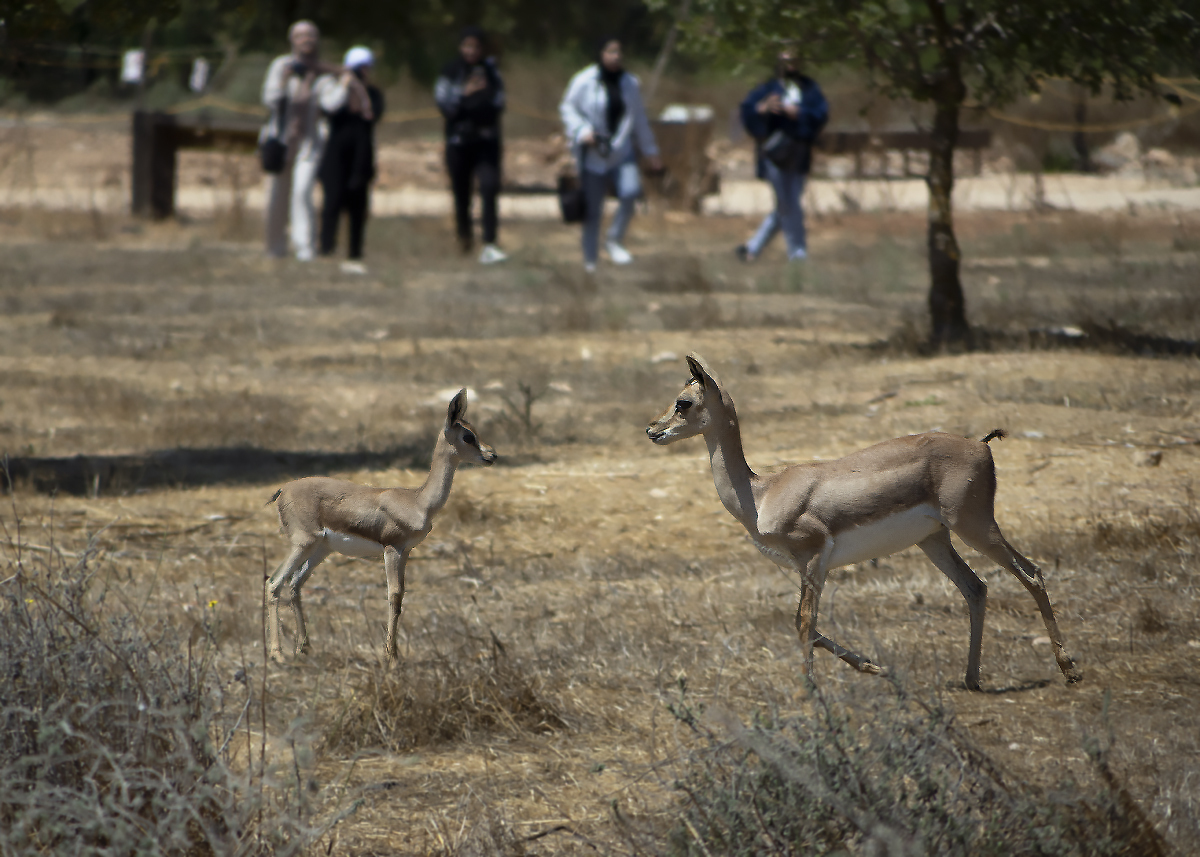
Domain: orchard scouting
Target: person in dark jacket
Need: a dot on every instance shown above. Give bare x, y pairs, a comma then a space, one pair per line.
791, 110
470, 94
353, 106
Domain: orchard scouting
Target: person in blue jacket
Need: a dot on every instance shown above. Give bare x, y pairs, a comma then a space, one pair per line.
793, 104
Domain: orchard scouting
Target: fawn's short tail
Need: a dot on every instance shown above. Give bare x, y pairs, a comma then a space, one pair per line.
994, 433
275, 496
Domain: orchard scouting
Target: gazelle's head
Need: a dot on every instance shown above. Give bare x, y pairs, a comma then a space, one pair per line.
699, 405
461, 435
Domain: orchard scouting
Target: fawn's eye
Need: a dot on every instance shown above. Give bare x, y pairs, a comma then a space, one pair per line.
468, 438
682, 405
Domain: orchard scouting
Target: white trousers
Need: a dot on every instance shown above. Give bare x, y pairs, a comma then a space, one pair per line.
290, 203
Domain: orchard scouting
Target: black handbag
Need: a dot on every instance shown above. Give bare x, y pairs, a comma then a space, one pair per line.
785, 151
571, 201
273, 153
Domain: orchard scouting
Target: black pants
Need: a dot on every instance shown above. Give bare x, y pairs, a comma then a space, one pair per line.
355, 202
481, 160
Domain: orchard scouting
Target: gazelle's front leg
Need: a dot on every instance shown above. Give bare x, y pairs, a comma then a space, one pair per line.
318, 555
812, 580
813, 583
393, 567
285, 572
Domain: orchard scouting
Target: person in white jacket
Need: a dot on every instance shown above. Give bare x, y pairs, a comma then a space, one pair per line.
292, 90
607, 127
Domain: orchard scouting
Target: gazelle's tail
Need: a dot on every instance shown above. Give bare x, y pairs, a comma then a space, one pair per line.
994, 433
275, 496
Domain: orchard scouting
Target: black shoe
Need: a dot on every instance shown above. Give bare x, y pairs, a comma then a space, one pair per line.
743, 253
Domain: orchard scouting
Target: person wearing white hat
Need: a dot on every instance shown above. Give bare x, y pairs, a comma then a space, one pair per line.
353, 105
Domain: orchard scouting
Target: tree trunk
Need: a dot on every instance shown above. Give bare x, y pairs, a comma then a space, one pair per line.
947, 309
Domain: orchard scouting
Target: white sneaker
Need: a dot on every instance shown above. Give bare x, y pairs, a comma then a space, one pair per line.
491, 254
589, 267
618, 254
304, 254
352, 267
798, 256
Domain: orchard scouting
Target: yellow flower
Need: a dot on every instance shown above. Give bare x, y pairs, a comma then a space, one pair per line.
212, 604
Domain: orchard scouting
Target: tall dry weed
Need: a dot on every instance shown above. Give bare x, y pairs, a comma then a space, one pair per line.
883, 775
121, 740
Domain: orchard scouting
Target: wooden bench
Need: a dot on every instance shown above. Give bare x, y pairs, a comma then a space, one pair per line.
859, 142
158, 137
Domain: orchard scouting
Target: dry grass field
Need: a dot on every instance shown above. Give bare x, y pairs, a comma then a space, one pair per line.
167, 379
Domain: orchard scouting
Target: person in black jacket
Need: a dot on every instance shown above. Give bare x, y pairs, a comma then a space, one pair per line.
470, 94
784, 115
353, 106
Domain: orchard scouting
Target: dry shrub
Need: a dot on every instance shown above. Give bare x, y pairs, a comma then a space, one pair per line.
452, 696
888, 775
115, 741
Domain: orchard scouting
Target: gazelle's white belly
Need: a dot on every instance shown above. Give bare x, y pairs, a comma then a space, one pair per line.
351, 545
885, 536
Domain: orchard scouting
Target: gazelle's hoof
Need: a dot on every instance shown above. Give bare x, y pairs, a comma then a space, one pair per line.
277, 657
870, 668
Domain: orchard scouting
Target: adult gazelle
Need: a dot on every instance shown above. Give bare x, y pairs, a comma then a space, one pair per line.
817, 516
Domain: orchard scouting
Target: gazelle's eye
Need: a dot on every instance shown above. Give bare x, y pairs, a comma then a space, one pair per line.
682, 405
468, 438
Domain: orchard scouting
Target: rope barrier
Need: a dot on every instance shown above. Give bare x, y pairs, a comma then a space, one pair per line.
218, 102
410, 116
1091, 128
66, 118
1178, 89
532, 113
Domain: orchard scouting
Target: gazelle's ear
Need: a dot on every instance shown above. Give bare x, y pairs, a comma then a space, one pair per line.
701, 372
458, 407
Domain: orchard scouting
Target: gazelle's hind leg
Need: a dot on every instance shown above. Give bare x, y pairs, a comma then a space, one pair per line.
315, 558
941, 553
993, 545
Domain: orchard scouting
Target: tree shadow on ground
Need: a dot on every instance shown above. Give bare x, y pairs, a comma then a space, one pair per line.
92, 475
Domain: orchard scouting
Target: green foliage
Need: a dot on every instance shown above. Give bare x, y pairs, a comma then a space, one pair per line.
885, 775
418, 36
917, 48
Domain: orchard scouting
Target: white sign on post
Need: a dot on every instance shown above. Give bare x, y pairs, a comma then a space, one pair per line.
132, 65
198, 79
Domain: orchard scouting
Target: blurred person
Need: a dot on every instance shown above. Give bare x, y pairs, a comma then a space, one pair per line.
606, 124
784, 115
353, 105
291, 91
470, 94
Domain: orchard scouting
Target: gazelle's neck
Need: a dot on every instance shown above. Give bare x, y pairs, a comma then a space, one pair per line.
433, 494
731, 474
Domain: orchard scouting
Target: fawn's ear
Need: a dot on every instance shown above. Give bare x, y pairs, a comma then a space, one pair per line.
458, 407
701, 373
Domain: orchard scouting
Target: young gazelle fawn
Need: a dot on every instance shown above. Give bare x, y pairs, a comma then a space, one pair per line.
320, 515
817, 516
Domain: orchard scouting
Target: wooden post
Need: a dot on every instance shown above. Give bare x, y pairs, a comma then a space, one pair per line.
153, 180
